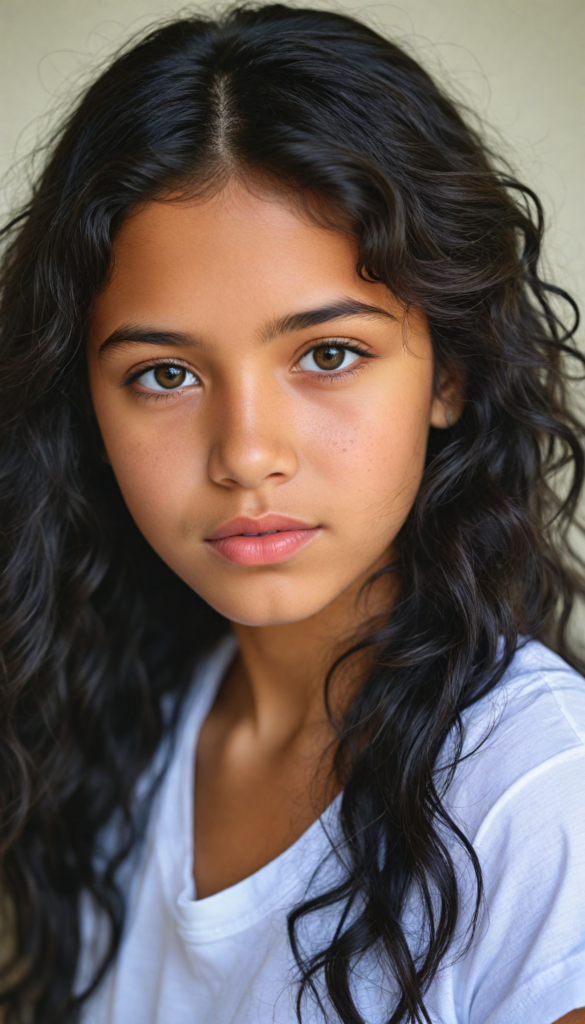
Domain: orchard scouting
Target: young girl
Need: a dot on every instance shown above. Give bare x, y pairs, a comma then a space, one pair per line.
287, 469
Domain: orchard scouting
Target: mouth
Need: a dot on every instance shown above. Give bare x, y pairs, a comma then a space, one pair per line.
263, 541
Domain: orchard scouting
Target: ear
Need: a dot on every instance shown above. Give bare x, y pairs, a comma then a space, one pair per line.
447, 404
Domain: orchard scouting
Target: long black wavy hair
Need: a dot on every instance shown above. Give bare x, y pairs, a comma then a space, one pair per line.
98, 637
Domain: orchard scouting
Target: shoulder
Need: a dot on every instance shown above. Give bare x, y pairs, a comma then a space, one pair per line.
519, 796
528, 733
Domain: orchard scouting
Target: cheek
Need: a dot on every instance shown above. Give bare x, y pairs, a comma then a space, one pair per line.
371, 454
156, 459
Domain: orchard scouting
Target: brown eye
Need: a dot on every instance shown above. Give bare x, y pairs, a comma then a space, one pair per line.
328, 357
170, 376
166, 377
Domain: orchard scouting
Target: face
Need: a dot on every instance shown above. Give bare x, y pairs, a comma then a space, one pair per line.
265, 411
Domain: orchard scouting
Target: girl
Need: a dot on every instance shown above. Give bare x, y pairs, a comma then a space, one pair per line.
287, 470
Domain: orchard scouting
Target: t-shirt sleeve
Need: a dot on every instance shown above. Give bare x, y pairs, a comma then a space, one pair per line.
527, 961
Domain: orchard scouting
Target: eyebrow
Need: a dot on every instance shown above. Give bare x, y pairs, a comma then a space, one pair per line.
147, 336
343, 308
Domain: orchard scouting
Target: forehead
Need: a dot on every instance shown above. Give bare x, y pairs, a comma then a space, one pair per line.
236, 257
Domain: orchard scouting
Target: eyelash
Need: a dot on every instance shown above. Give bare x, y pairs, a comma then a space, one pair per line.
332, 375
146, 394
325, 375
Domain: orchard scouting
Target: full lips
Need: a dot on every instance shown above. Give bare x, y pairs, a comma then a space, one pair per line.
263, 550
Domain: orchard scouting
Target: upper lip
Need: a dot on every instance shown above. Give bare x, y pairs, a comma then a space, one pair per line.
263, 524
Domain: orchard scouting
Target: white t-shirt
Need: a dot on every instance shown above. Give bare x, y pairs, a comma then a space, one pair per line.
226, 959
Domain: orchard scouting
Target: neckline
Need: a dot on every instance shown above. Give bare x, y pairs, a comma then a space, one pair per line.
280, 882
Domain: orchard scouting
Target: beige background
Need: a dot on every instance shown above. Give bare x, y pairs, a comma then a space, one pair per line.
519, 63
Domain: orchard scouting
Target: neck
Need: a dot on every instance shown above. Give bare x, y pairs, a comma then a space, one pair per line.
278, 681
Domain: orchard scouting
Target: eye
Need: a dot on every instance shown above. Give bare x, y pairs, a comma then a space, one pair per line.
166, 377
328, 357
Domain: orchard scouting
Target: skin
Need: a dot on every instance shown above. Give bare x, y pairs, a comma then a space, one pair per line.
253, 432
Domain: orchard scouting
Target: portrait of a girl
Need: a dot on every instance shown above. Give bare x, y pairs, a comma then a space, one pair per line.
292, 720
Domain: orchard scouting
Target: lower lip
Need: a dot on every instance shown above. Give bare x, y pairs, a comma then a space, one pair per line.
266, 550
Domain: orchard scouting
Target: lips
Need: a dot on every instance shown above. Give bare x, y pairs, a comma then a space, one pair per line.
263, 541
270, 523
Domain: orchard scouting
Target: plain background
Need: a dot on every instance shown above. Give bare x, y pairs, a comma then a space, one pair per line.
520, 64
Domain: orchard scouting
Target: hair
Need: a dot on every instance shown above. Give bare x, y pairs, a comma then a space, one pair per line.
98, 638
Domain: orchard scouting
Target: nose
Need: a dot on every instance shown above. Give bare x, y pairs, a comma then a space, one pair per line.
251, 442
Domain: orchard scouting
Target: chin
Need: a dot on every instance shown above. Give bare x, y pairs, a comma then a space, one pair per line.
245, 616
254, 607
